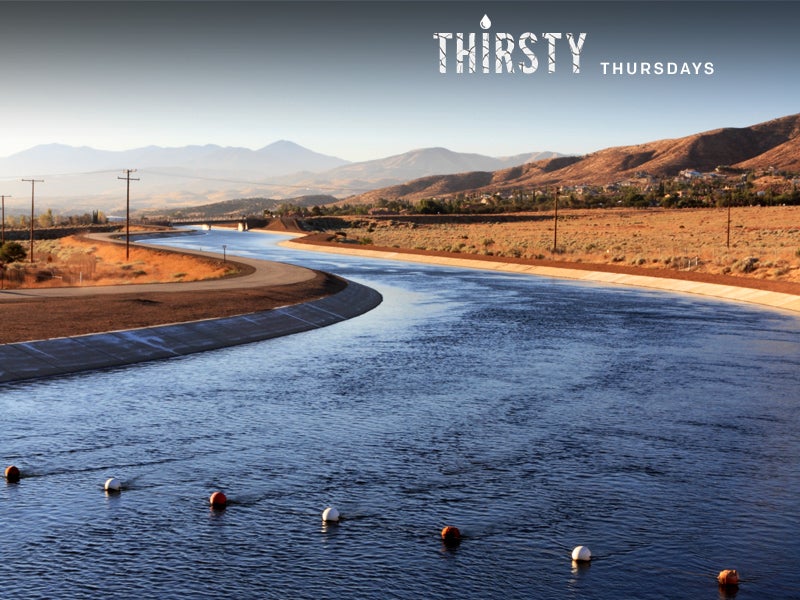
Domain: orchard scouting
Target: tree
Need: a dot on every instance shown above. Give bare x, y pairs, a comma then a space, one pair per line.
430, 206
46, 219
12, 252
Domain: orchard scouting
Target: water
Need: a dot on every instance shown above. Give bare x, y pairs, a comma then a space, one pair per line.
536, 415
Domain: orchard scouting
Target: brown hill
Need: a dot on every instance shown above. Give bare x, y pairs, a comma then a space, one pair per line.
774, 143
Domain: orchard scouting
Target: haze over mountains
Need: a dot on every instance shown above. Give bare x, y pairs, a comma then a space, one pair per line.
276, 159
83, 179
86, 178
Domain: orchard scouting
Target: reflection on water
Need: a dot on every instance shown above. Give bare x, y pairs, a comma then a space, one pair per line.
535, 415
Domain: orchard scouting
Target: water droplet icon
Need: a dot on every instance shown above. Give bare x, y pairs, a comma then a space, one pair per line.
486, 22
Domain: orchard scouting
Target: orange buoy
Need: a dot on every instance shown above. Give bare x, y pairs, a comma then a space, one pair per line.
451, 535
12, 474
728, 577
218, 500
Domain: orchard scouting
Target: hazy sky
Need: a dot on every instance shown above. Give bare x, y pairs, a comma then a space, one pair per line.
361, 80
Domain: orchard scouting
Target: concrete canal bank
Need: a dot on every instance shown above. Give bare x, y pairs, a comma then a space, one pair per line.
61, 356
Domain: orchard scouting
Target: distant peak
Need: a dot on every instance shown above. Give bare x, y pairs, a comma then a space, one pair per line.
283, 144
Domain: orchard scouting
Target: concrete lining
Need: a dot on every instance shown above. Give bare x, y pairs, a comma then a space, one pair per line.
61, 356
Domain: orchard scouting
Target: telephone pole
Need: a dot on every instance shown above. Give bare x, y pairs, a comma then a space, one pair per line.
128, 178
4, 196
730, 201
33, 185
555, 221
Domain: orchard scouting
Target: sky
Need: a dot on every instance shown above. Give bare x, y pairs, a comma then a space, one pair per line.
361, 80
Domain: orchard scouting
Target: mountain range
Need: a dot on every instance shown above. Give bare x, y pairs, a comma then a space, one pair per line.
278, 158
83, 178
774, 143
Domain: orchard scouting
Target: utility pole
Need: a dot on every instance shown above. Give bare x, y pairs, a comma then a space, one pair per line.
33, 185
128, 210
555, 221
4, 196
730, 201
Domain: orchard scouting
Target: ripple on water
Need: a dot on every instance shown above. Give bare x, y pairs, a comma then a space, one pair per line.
535, 415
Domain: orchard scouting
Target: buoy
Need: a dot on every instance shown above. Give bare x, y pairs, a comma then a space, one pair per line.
12, 474
581, 554
728, 577
451, 535
330, 514
112, 485
218, 500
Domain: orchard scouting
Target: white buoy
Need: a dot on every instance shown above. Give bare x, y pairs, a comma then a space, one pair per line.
112, 485
330, 514
581, 554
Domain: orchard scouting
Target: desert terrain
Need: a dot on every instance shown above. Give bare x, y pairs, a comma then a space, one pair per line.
79, 261
83, 263
764, 253
763, 244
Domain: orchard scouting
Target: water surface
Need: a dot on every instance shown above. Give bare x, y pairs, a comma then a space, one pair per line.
536, 415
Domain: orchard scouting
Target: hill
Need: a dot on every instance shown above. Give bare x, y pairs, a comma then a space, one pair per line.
278, 158
84, 178
234, 208
774, 144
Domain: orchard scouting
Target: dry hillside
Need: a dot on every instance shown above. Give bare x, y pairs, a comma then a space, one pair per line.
774, 143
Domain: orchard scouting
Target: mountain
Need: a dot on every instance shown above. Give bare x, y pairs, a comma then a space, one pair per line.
774, 143
371, 174
83, 179
279, 158
422, 162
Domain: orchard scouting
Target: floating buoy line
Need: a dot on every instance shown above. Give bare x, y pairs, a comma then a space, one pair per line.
450, 535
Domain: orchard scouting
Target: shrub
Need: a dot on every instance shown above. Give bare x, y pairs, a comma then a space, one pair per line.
12, 252
746, 265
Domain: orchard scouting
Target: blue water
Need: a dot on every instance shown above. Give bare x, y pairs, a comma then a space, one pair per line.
536, 415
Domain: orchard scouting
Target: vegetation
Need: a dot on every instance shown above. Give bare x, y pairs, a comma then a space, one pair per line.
49, 219
12, 252
77, 261
762, 242
723, 187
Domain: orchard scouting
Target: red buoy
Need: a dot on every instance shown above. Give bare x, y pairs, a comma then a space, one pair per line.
451, 535
728, 577
218, 500
12, 474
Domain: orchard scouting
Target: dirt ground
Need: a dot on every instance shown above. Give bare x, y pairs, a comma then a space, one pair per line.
770, 235
79, 261
760, 243
36, 318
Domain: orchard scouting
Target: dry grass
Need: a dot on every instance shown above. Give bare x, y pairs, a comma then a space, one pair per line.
77, 261
764, 242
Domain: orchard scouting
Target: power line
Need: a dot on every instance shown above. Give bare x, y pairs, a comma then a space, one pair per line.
72, 174
261, 183
205, 178
128, 210
33, 185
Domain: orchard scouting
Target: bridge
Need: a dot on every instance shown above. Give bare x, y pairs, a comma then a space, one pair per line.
242, 223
